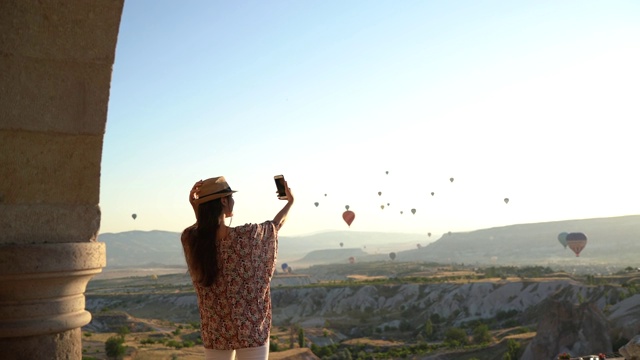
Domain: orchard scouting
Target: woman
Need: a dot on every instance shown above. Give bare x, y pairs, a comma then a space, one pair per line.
231, 270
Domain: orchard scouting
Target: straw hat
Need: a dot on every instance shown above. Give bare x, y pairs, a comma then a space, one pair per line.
211, 189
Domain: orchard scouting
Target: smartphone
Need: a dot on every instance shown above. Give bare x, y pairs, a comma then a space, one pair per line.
282, 194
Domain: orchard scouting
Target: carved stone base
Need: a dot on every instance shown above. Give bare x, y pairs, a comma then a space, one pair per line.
42, 303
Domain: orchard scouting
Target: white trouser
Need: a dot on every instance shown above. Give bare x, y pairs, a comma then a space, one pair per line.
254, 353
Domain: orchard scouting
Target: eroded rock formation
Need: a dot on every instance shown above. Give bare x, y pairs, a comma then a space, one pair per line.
565, 327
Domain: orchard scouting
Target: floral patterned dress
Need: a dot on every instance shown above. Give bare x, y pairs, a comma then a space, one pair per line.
235, 311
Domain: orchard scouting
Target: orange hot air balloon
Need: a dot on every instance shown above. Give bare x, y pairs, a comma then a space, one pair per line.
348, 217
576, 241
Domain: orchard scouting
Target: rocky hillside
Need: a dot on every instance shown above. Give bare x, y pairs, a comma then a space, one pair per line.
410, 305
361, 310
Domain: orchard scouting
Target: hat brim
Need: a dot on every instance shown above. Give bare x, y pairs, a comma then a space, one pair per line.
207, 198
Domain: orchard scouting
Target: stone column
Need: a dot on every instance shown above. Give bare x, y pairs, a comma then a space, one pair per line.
56, 60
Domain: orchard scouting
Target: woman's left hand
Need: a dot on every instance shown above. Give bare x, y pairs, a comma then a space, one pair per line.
192, 196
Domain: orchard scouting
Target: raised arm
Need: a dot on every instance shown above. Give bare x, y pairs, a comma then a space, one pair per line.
281, 216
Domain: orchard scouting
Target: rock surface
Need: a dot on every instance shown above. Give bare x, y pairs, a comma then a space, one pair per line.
631, 351
575, 329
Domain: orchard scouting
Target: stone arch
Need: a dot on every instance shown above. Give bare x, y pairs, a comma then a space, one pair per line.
56, 60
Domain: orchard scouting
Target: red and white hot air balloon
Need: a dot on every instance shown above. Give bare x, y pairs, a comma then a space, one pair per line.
576, 241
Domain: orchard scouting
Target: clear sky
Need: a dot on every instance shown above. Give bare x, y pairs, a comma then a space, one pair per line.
535, 101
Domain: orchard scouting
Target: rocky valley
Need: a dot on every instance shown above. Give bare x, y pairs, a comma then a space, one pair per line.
413, 304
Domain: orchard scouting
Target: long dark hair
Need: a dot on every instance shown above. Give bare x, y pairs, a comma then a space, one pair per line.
201, 250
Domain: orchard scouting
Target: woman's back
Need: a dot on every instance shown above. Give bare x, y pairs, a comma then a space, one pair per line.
236, 309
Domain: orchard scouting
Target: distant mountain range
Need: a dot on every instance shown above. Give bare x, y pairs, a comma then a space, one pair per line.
156, 248
143, 248
614, 240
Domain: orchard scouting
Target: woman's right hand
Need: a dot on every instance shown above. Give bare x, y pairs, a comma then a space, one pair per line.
281, 216
287, 192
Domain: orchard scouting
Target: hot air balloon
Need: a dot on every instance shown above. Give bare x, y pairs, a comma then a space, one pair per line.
401, 212
388, 204
419, 246
382, 207
451, 179
341, 244
289, 269
562, 237
134, 216
346, 207
348, 216
429, 234
413, 211
386, 172
392, 256
432, 193
352, 260
284, 266
576, 241
379, 193
506, 200
325, 194
316, 203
